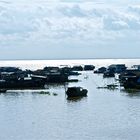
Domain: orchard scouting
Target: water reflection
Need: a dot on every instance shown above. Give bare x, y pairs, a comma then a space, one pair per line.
75, 99
131, 92
53, 90
55, 85
18, 93
12, 93
43, 92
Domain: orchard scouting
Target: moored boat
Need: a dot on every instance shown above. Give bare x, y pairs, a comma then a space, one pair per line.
23, 83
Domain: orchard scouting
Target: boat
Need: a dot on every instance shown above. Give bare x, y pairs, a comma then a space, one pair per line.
89, 67
3, 90
117, 68
108, 74
131, 82
76, 92
100, 70
23, 83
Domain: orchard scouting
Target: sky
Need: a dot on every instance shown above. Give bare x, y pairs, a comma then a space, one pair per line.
69, 29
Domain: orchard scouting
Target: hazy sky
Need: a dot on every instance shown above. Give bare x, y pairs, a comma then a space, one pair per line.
57, 29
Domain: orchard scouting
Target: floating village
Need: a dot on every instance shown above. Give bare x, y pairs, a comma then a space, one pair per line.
12, 78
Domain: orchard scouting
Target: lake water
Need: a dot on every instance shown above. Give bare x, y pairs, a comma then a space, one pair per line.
102, 115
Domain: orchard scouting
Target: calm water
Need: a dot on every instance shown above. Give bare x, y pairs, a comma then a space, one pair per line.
103, 115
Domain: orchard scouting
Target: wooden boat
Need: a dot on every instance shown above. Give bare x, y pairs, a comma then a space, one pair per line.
76, 92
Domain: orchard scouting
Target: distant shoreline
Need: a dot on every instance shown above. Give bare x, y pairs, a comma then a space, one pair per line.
64, 59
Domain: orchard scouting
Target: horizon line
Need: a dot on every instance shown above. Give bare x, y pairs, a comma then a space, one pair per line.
66, 59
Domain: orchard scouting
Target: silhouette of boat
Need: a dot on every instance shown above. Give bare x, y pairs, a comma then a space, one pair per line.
76, 92
23, 83
3, 90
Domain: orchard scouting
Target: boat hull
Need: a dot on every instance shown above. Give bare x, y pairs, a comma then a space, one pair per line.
75, 93
21, 84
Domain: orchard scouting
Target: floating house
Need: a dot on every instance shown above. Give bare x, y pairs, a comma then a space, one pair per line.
117, 68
